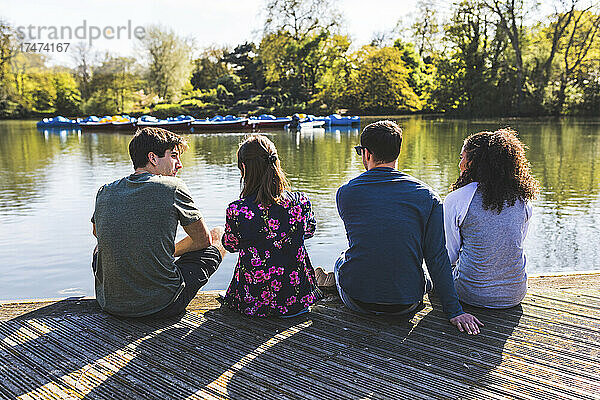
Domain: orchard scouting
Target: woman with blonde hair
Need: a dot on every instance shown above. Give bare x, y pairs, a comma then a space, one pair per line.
486, 218
268, 226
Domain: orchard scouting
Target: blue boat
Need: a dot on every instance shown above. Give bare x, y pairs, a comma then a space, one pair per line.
268, 121
123, 122
303, 122
311, 117
58, 122
95, 123
179, 122
304, 125
336, 119
218, 122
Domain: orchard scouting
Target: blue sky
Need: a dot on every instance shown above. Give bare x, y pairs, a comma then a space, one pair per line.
221, 22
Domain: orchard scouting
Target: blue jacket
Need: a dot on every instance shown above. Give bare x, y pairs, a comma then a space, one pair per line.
393, 223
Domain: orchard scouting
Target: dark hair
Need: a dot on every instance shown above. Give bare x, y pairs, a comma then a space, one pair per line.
262, 174
383, 139
155, 140
496, 160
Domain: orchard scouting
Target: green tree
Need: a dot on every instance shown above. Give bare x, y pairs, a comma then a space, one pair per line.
298, 66
83, 56
509, 20
425, 29
420, 75
589, 82
466, 75
9, 106
68, 99
296, 48
29, 73
169, 60
114, 85
331, 88
301, 18
545, 41
43, 100
231, 82
246, 64
209, 67
8, 50
498, 65
580, 49
224, 95
381, 82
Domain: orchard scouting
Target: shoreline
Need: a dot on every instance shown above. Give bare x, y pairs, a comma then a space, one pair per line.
432, 115
565, 273
582, 280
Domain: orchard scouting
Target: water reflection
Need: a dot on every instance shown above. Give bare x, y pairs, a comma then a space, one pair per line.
49, 179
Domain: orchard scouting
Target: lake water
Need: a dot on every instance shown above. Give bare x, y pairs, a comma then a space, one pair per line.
48, 182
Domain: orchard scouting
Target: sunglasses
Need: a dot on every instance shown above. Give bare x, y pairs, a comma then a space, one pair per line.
359, 149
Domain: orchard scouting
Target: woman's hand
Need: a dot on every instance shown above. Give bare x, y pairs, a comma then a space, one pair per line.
467, 323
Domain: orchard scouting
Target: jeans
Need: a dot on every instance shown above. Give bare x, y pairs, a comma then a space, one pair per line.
354, 306
195, 267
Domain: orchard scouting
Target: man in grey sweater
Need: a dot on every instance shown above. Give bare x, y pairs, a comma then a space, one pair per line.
135, 221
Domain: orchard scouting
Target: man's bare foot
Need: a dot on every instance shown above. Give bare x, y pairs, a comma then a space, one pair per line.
216, 234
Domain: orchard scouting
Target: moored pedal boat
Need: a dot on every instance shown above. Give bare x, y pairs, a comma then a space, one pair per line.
180, 122
266, 121
218, 122
57, 122
123, 122
338, 120
94, 123
304, 125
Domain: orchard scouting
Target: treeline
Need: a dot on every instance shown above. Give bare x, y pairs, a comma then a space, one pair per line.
482, 58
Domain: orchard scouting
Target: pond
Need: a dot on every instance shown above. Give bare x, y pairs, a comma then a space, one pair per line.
48, 182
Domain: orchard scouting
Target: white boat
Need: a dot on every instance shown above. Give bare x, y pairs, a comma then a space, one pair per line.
305, 125
221, 123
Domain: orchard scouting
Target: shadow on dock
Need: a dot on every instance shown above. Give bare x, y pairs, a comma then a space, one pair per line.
70, 349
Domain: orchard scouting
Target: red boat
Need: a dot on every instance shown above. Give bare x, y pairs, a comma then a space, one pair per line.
220, 124
169, 125
271, 123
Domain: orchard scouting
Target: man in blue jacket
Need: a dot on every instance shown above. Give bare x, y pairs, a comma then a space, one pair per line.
393, 222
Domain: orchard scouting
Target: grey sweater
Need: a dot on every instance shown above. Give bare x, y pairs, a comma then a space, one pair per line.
136, 221
491, 267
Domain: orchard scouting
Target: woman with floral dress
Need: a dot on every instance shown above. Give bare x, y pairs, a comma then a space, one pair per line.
267, 226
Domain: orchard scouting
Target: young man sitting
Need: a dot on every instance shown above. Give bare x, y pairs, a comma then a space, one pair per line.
393, 223
135, 221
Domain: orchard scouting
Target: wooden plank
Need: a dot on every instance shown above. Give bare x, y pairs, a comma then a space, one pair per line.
429, 342
546, 348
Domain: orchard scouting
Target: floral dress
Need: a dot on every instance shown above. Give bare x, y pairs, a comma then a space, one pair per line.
273, 275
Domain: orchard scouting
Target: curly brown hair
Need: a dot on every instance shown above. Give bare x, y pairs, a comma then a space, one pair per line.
496, 160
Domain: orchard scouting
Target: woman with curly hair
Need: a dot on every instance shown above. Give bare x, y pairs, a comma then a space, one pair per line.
267, 226
486, 217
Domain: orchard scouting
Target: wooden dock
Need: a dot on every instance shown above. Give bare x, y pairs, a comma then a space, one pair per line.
547, 348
